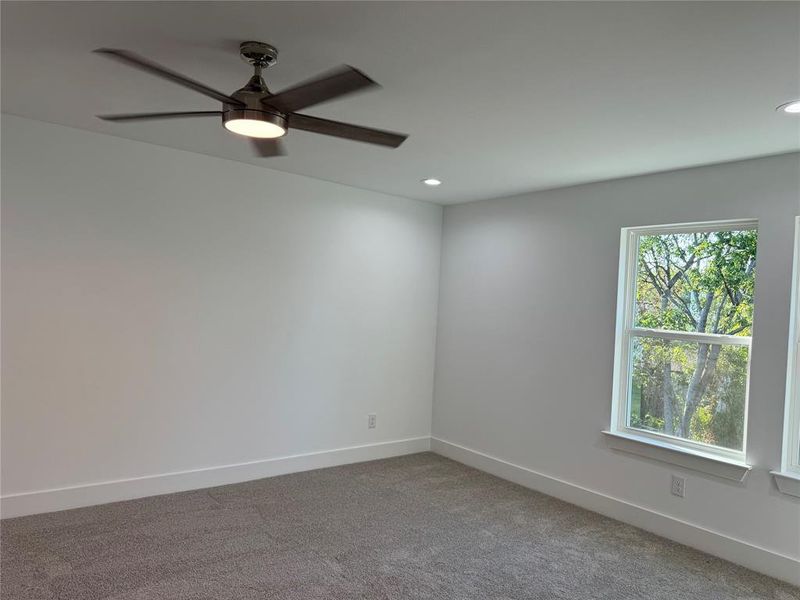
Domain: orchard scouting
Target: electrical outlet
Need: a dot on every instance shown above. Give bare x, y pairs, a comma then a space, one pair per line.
372, 421
678, 486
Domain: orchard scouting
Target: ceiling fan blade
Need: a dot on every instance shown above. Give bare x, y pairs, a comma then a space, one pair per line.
267, 147
338, 82
156, 116
149, 66
346, 130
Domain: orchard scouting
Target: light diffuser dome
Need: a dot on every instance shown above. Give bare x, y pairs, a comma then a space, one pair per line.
255, 128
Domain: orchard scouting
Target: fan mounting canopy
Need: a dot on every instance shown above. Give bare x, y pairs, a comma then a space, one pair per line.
258, 54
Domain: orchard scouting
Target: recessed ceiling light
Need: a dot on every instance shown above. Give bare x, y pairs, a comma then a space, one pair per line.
792, 107
432, 181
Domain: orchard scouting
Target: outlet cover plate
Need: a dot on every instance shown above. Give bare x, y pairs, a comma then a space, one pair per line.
678, 486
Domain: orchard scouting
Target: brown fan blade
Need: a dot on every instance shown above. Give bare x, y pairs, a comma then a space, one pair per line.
339, 82
267, 147
346, 130
149, 66
156, 116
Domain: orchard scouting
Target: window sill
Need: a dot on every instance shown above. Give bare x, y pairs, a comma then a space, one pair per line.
675, 455
788, 483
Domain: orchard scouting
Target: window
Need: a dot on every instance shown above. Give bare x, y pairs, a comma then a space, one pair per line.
787, 478
684, 325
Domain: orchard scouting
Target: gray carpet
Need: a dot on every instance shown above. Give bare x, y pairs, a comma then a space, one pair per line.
418, 526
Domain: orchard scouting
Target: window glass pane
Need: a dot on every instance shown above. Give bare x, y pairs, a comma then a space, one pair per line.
700, 281
689, 390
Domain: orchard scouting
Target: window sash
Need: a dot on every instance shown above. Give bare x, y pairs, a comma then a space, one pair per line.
790, 461
626, 331
624, 414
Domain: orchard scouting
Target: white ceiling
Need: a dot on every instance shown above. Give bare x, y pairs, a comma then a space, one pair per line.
498, 98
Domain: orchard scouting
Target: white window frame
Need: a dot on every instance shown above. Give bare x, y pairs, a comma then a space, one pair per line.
730, 464
788, 478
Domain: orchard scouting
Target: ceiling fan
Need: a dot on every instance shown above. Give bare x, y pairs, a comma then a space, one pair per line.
257, 113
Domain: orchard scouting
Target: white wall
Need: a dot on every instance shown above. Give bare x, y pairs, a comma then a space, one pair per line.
526, 337
165, 311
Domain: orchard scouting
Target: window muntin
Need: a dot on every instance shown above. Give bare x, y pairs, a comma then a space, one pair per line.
684, 334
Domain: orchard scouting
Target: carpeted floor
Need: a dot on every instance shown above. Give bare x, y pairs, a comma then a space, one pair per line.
418, 526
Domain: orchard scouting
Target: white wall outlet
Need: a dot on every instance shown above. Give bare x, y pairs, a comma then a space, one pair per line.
372, 421
678, 486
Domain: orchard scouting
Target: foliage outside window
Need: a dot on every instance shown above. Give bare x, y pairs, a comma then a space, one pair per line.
685, 327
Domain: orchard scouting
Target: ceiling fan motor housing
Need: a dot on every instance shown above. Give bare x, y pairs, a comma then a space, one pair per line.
253, 108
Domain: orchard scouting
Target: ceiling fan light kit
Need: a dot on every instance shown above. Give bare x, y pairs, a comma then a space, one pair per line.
255, 112
254, 123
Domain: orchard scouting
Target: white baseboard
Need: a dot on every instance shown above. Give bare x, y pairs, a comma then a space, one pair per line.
29, 503
742, 553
